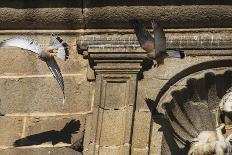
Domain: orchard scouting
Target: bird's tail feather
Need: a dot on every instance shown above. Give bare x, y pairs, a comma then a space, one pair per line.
57, 42
176, 54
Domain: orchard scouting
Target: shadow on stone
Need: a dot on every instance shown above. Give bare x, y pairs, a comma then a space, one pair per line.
190, 70
64, 135
191, 109
78, 145
146, 65
170, 137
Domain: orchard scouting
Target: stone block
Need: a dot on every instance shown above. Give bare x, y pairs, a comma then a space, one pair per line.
140, 152
43, 94
10, 129
141, 130
112, 128
114, 150
156, 137
115, 95
109, 150
39, 151
148, 89
87, 135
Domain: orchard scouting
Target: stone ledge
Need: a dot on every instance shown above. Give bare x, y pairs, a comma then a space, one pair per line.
104, 14
125, 41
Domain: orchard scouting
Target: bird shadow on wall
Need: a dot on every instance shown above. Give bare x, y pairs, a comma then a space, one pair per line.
64, 135
169, 134
146, 65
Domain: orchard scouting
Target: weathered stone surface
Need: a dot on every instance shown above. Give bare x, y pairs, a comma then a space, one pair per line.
113, 150
50, 126
104, 14
115, 95
148, 89
10, 129
41, 14
141, 130
140, 152
39, 151
87, 135
174, 16
28, 95
113, 127
174, 66
156, 137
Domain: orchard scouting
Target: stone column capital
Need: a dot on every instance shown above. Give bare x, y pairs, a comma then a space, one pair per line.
111, 54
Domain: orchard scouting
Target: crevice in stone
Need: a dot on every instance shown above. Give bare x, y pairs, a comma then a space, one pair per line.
116, 109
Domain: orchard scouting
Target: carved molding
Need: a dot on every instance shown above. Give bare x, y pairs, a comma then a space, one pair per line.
74, 14
113, 114
188, 107
184, 39
119, 51
116, 70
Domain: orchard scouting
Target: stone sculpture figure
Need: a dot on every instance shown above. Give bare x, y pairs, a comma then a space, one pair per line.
216, 142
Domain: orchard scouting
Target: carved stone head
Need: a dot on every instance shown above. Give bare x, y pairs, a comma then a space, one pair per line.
226, 102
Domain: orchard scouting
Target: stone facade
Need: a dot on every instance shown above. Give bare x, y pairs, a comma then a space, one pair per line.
116, 100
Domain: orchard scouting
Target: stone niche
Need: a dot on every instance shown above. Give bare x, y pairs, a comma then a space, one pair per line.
189, 106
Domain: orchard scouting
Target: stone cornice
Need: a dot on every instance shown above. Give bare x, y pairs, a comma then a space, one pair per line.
40, 14
184, 39
112, 51
119, 51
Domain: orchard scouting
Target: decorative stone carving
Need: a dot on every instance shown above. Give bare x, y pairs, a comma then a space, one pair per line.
218, 142
191, 111
115, 59
115, 66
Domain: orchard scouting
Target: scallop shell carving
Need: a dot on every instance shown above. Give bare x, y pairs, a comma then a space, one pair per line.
191, 108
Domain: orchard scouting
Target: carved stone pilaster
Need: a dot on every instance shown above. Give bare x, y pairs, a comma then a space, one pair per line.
116, 71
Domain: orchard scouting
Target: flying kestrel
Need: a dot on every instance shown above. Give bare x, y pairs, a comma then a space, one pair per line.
155, 47
57, 48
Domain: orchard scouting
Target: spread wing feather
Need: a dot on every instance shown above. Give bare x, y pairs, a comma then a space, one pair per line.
27, 44
159, 35
57, 42
54, 68
144, 37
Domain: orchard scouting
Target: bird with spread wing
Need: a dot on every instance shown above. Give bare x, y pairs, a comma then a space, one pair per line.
155, 47
57, 47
